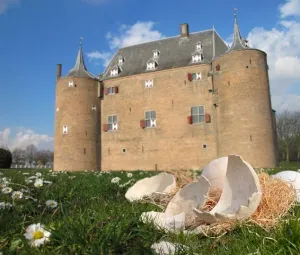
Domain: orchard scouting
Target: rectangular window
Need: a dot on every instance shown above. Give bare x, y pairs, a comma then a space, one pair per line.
112, 122
196, 76
150, 119
111, 90
198, 115
148, 83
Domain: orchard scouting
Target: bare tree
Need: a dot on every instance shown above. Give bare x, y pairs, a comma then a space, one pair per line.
30, 153
18, 156
286, 130
297, 134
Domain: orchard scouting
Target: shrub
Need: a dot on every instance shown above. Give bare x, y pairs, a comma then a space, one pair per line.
5, 158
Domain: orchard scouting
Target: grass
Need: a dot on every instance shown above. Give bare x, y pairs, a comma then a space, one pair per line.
93, 217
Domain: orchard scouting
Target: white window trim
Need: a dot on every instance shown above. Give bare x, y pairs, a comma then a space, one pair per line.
113, 91
156, 53
114, 124
199, 48
198, 114
197, 74
71, 83
151, 119
94, 108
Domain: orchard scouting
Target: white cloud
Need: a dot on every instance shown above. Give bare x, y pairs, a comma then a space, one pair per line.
25, 137
4, 4
282, 45
97, 55
140, 32
291, 8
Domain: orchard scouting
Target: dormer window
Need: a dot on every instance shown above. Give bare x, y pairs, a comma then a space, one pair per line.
197, 58
199, 46
152, 65
156, 54
115, 71
121, 60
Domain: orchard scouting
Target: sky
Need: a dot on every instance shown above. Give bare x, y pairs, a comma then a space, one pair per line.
35, 35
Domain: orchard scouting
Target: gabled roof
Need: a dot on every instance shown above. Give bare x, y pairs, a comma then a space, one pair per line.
174, 52
79, 70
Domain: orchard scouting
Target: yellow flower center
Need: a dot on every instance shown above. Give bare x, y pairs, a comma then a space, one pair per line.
38, 235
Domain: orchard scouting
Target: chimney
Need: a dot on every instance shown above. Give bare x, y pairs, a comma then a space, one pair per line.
184, 30
58, 71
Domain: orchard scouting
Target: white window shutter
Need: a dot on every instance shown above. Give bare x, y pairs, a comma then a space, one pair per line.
153, 122
199, 76
115, 126
149, 83
93, 108
65, 129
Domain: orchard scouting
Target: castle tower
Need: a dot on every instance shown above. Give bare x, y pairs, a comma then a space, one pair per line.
77, 119
243, 104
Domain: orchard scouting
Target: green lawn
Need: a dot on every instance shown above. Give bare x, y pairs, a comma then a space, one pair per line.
93, 217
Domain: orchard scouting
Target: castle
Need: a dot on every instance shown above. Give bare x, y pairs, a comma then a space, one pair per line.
174, 103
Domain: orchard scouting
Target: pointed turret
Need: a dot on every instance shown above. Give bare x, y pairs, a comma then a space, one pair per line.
79, 70
238, 43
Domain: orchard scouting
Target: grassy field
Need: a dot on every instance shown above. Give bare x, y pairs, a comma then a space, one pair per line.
92, 216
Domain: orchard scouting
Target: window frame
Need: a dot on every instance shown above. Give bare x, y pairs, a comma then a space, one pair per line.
65, 128
110, 123
199, 61
149, 119
198, 114
195, 74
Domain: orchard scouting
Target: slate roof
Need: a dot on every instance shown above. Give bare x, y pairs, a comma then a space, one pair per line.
79, 70
174, 52
238, 43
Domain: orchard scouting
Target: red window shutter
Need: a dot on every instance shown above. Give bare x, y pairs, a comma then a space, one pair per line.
116, 89
207, 118
142, 123
189, 120
105, 127
106, 91
190, 77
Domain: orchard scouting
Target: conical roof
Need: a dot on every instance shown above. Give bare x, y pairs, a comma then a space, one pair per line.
79, 70
238, 43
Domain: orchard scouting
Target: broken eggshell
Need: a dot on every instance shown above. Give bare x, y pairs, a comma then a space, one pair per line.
161, 220
215, 172
192, 195
291, 177
161, 183
241, 193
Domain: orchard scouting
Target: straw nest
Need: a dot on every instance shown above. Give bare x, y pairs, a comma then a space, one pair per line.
278, 197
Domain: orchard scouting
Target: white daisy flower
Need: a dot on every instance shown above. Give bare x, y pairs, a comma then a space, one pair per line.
50, 171
38, 183
6, 190
2, 205
48, 182
72, 177
28, 181
38, 174
129, 175
115, 180
51, 203
2, 185
17, 195
37, 235
25, 173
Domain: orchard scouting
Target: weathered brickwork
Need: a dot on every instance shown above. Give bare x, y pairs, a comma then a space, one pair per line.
173, 143
244, 113
79, 149
233, 90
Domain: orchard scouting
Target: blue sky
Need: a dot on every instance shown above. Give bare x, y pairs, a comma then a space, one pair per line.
38, 34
